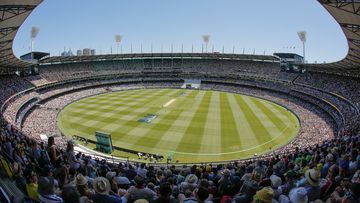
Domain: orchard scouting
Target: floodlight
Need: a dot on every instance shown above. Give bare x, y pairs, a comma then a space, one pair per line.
206, 39
302, 37
34, 32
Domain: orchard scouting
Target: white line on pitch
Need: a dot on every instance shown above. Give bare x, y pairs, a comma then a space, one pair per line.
169, 102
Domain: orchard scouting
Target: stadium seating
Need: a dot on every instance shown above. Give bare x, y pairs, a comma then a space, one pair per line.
322, 163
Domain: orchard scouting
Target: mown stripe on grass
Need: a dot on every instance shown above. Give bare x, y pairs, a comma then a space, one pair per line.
152, 106
111, 119
272, 116
212, 133
279, 111
172, 137
157, 130
246, 135
109, 106
261, 133
193, 135
119, 109
230, 140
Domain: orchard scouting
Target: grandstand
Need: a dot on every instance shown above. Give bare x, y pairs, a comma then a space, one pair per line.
321, 163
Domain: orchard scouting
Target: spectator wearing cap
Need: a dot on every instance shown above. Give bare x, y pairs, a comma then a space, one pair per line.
123, 182
276, 182
141, 201
139, 191
298, 195
265, 195
312, 184
101, 186
46, 191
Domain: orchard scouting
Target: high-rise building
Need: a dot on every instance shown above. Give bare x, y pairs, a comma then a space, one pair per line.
86, 52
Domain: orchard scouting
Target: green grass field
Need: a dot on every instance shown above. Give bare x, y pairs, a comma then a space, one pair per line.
193, 125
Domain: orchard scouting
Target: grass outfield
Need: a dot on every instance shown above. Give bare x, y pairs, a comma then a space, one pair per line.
193, 125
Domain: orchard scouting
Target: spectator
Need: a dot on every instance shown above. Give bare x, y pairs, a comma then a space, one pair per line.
70, 156
312, 186
46, 190
298, 195
139, 191
165, 194
101, 186
70, 195
264, 195
32, 186
54, 153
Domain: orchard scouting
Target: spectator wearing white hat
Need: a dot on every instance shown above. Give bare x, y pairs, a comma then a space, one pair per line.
190, 183
298, 195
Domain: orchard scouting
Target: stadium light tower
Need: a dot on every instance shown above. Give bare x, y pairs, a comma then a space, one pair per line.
34, 32
118, 39
206, 39
302, 36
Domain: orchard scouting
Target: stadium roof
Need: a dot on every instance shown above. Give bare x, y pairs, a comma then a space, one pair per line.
346, 12
12, 14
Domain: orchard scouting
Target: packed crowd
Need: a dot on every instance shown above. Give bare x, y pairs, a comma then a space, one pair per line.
60, 72
344, 86
321, 168
10, 85
327, 172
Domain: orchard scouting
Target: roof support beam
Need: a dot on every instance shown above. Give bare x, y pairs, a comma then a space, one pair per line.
10, 11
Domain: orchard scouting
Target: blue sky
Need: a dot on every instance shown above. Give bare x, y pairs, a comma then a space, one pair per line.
263, 25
